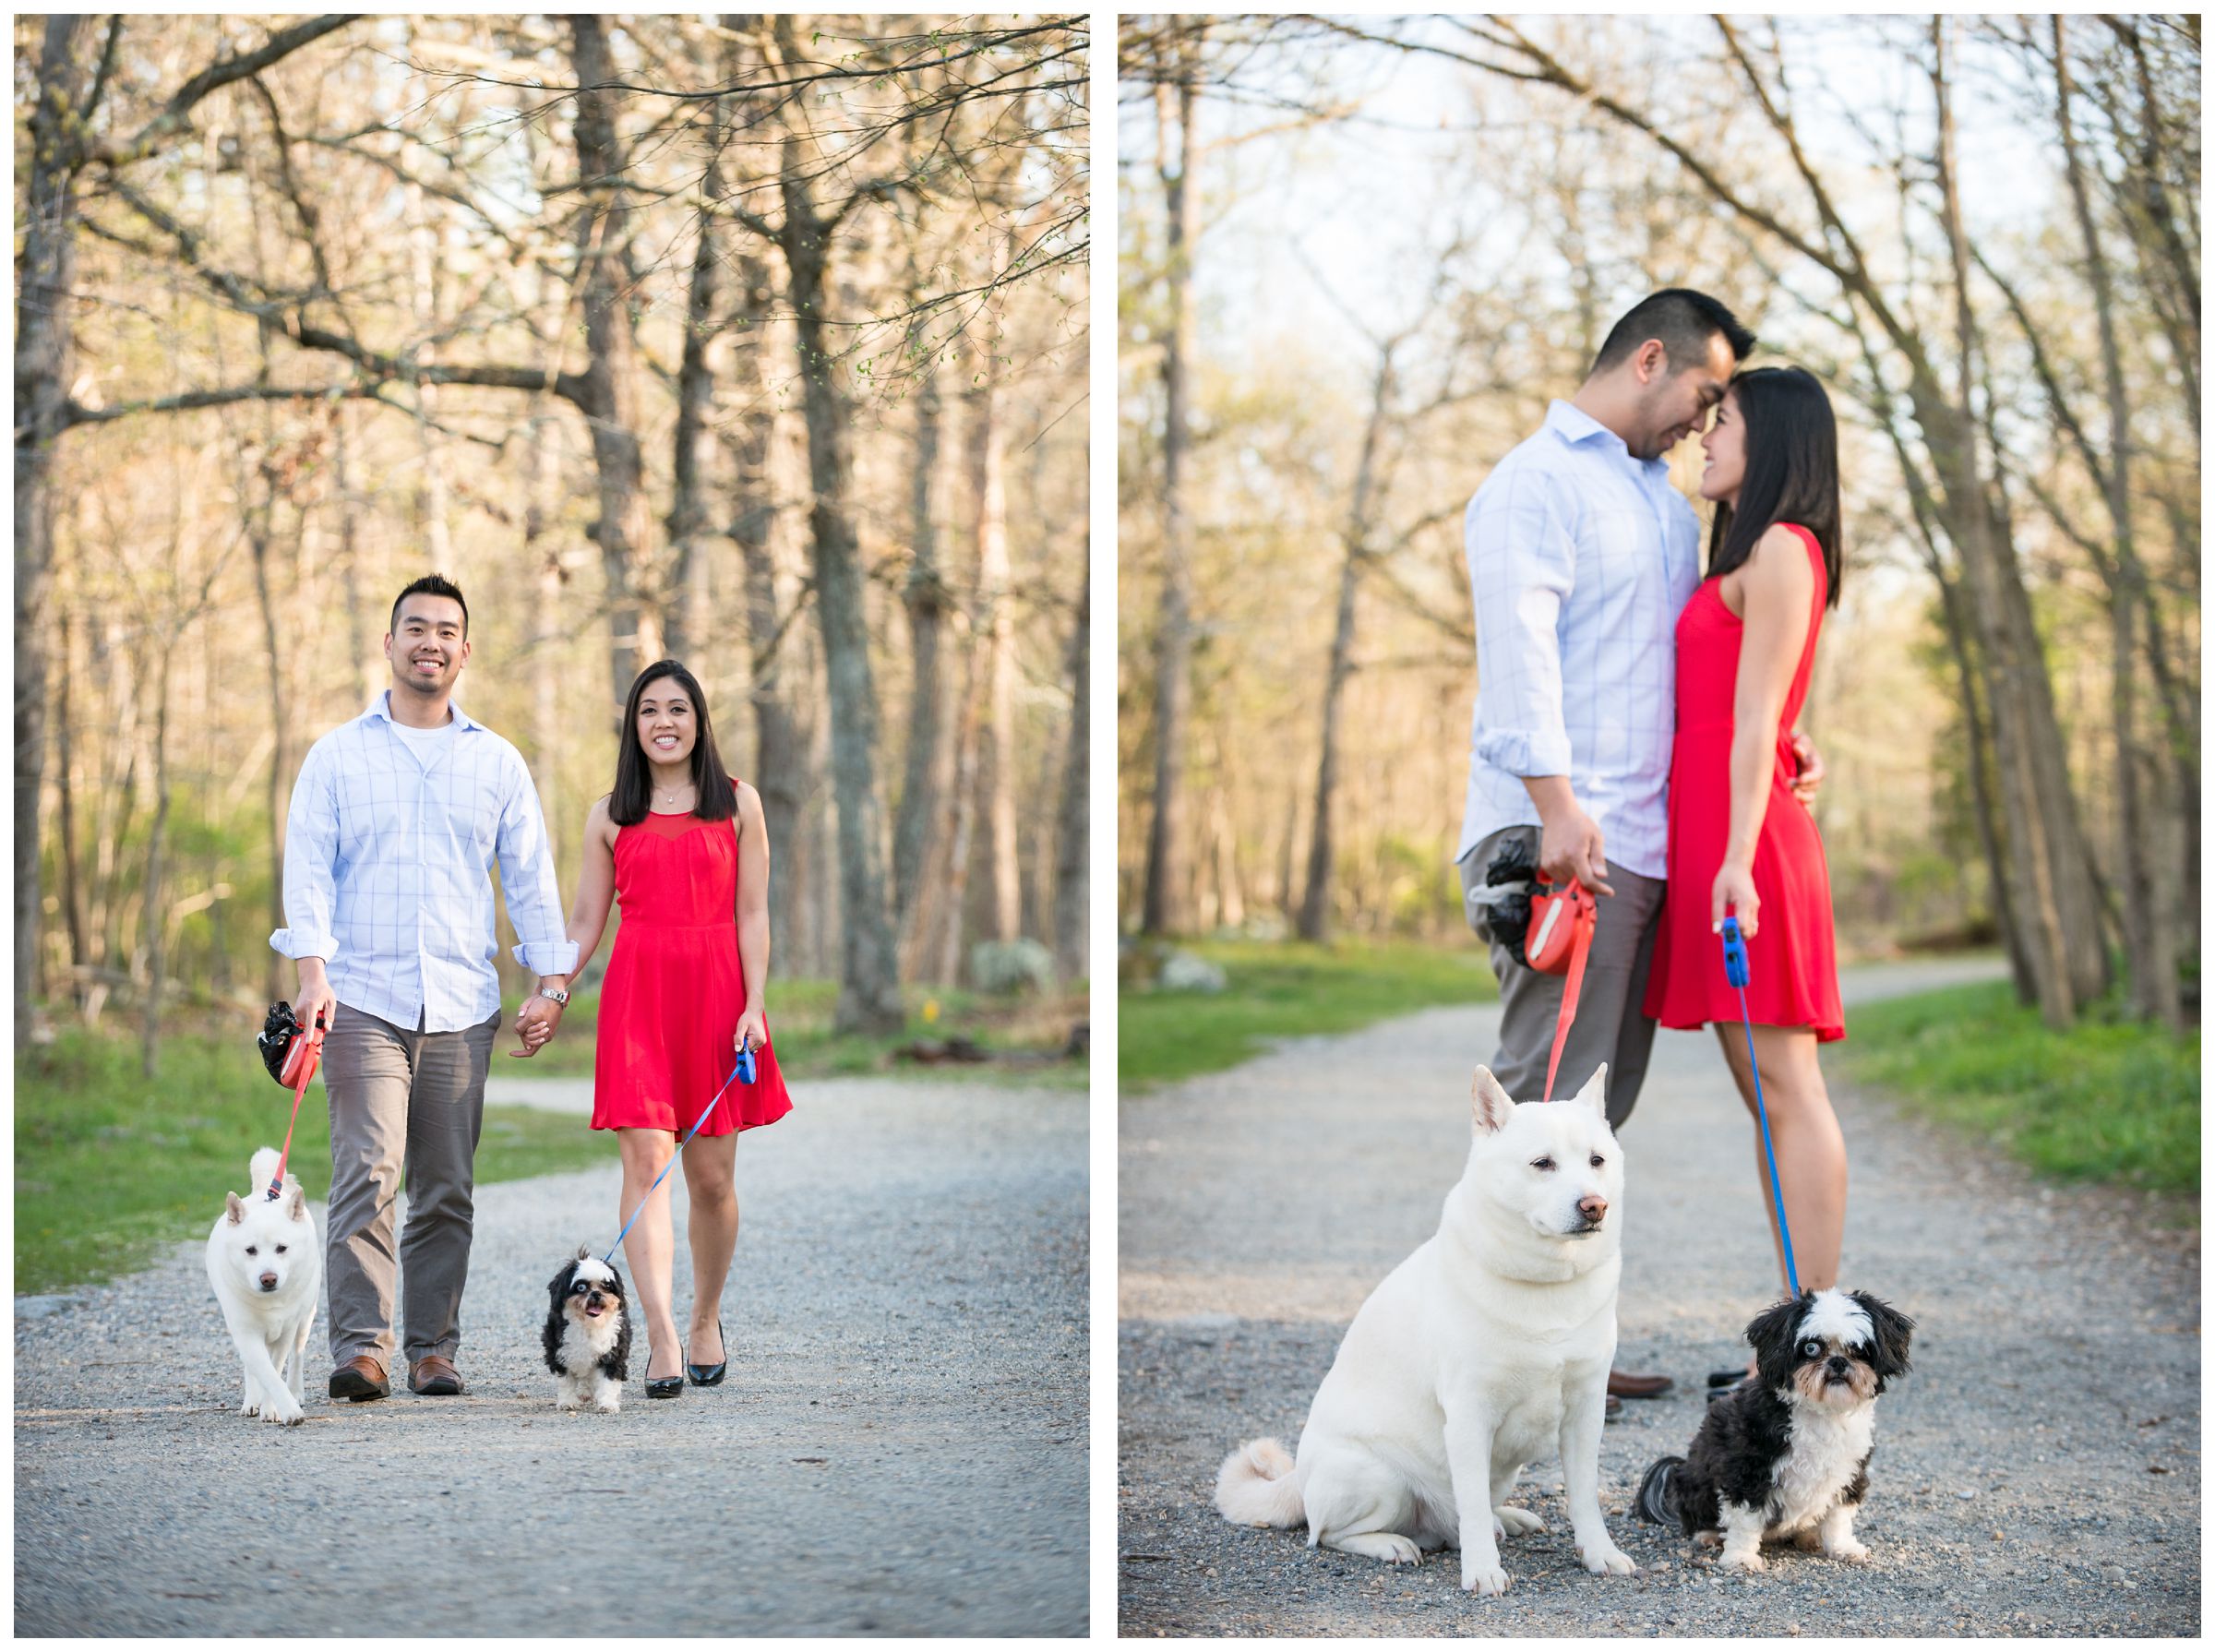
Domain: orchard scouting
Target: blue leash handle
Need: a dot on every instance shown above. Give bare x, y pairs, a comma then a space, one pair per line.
1735, 967
745, 1070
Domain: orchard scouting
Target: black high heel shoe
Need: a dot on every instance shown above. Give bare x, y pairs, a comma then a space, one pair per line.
665, 1388
707, 1376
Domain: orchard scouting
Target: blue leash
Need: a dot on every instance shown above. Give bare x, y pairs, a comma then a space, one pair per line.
745, 1070
1734, 966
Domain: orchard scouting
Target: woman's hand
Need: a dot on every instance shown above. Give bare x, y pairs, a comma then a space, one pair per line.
753, 1030
535, 1024
1734, 888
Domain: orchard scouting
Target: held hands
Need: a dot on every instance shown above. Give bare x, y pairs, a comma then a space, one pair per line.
1734, 890
1809, 769
753, 1030
535, 1023
1569, 847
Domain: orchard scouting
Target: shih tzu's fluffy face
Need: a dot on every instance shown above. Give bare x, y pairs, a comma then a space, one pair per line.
587, 1330
588, 1290
1831, 1349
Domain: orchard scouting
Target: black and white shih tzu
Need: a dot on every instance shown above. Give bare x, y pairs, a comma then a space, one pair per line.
588, 1334
1786, 1456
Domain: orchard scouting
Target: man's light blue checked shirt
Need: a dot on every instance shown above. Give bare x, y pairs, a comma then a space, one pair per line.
387, 869
1580, 560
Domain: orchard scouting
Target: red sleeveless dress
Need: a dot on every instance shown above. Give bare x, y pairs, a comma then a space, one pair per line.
670, 1005
1793, 961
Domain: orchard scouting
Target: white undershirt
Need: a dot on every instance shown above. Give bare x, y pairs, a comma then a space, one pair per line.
426, 743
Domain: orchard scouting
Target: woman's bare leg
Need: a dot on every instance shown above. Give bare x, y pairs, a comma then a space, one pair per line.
711, 1164
647, 1247
1810, 1150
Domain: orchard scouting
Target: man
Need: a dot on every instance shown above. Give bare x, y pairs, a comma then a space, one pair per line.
1581, 554
395, 821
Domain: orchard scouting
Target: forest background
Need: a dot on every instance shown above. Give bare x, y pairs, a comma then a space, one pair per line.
1360, 255
756, 340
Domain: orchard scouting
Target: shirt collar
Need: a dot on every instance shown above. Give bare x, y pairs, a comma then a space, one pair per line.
380, 711
1575, 426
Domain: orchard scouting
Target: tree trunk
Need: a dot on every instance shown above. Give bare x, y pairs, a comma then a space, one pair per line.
923, 595
157, 927
868, 998
44, 269
2152, 972
687, 608
258, 534
73, 898
610, 395
1166, 873
1315, 902
1073, 834
961, 833
2053, 895
994, 640
782, 738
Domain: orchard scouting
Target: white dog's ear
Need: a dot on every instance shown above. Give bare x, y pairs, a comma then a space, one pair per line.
1489, 1104
297, 1206
1595, 1092
234, 1210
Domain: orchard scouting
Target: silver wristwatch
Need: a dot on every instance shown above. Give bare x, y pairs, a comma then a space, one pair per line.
560, 995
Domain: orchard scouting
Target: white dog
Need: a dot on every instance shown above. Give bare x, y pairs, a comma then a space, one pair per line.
266, 1263
1480, 1353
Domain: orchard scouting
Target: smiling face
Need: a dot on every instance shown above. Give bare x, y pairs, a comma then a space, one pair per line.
428, 644
594, 1294
1674, 401
1725, 445
667, 725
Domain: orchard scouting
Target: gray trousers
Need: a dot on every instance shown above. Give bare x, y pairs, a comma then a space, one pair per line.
1610, 1025
400, 1097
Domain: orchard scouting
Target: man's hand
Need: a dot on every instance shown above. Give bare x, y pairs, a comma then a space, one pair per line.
1809, 763
535, 1023
314, 997
1569, 847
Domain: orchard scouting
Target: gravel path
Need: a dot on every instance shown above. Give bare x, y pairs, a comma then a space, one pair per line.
898, 1449
2038, 1473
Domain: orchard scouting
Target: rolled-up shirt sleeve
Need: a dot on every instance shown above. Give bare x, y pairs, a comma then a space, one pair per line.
311, 853
527, 875
1522, 567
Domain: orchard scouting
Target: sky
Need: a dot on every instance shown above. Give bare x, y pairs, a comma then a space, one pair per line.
1352, 207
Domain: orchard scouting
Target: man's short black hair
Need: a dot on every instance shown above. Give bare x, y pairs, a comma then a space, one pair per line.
430, 585
1684, 320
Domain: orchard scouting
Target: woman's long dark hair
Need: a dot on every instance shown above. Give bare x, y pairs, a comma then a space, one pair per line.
1791, 442
713, 797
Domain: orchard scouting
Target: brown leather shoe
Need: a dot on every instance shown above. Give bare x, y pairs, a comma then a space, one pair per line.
361, 1377
429, 1374
1630, 1386
1614, 1409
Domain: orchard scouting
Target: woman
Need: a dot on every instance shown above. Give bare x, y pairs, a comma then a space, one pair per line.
1739, 840
682, 847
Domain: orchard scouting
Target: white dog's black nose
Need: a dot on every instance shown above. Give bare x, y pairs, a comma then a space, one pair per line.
268, 1282
1592, 1208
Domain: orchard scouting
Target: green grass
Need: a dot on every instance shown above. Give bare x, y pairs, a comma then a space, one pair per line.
111, 1166
1280, 990
2107, 1101
799, 1022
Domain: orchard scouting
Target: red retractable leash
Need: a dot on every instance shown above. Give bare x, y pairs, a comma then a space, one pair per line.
1560, 943
299, 1067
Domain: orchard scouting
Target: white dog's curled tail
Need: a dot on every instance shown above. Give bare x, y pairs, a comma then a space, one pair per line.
1256, 1486
264, 1170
